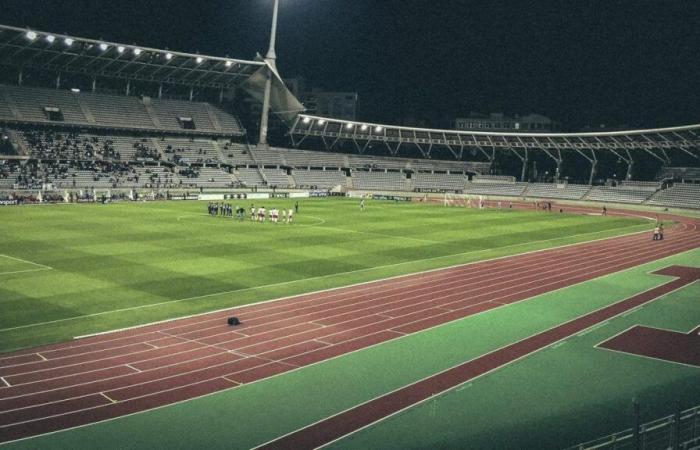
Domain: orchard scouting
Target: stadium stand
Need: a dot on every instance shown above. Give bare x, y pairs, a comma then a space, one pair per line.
618, 194
496, 189
379, 180
556, 191
190, 151
425, 182
236, 154
680, 195
320, 179
306, 159
680, 173
499, 179
44, 106
209, 177
277, 178
249, 177
268, 157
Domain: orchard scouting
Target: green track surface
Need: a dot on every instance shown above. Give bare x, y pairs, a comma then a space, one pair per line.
119, 265
557, 397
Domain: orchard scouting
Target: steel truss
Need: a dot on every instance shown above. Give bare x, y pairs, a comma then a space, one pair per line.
626, 145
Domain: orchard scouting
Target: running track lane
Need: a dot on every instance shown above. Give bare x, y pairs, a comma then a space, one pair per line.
97, 378
354, 419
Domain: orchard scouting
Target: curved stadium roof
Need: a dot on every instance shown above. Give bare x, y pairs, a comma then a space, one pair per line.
25, 48
363, 134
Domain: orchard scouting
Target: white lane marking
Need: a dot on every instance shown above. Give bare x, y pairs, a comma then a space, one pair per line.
105, 396
5, 381
383, 419
41, 356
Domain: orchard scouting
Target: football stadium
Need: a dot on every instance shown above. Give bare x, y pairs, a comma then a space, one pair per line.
195, 255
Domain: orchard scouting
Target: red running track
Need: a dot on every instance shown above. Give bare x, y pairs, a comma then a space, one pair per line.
74, 383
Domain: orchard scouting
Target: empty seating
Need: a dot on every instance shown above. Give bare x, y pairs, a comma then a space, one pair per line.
680, 196
376, 180
438, 181
556, 191
267, 157
618, 195
277, 178
322, 179
249, 177
493, 179
112, 111
117, 111
496, 189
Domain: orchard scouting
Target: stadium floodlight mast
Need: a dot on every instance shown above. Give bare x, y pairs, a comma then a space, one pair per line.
270, 60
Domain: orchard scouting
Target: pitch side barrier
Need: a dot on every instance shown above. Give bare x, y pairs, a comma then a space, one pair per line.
678, 431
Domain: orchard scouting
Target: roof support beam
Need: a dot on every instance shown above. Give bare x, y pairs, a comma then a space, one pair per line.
524, 158
593, 159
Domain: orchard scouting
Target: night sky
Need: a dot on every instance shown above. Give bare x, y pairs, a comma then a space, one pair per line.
581, 62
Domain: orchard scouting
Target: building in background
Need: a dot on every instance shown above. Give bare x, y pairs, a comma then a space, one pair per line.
536, 123
338, 105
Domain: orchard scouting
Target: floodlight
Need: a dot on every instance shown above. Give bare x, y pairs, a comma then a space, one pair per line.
200, 60
121, 49
75, 90
168, 56
104, 47
31, 35
349, 126
229, 63
69, 41
364, 127
137, 51
50, 38
307, 120
378, 129
321, 122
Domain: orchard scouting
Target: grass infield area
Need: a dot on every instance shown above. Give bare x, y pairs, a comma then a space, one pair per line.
71, 270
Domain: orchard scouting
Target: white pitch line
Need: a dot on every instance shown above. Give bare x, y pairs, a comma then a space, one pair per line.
27, 262
321, 277
41, 356
41, 269
5, 381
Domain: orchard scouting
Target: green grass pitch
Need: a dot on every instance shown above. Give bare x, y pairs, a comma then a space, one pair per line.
70, 270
